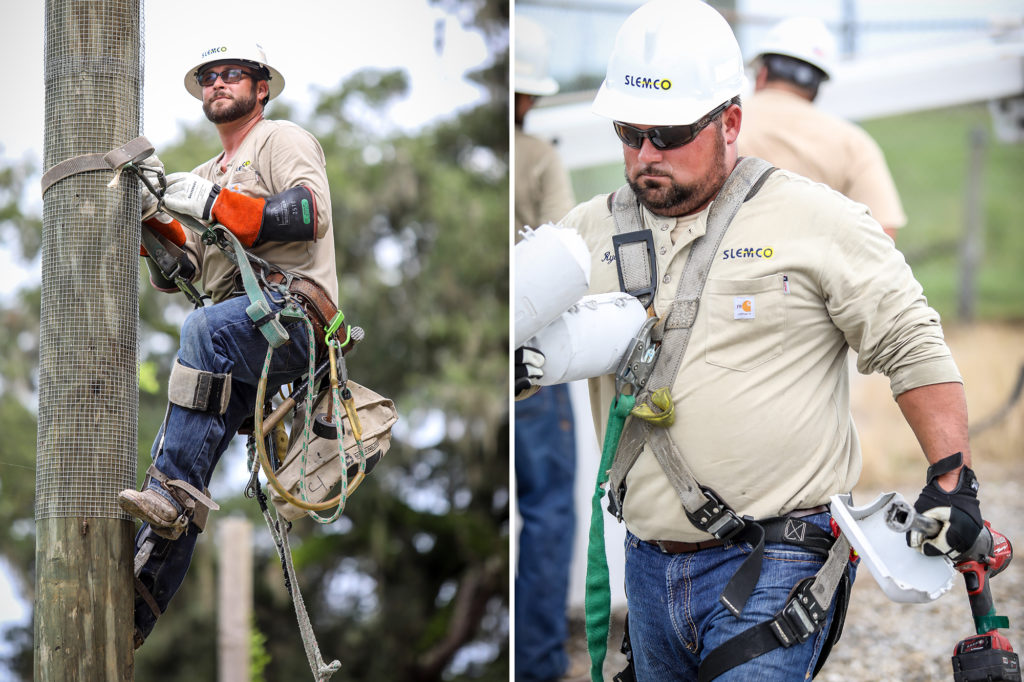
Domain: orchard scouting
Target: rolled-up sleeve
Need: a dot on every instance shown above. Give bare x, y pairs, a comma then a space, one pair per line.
873, 297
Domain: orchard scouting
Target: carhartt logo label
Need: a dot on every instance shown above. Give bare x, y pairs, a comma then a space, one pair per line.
648, 83
794, 531
743, 308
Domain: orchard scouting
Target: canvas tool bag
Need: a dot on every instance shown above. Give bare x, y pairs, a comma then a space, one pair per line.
323, 471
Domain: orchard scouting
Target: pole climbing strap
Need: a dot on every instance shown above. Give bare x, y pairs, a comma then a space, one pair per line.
258, 310
130, 152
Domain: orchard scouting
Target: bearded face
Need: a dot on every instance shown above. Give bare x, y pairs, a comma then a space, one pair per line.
225, 104
659, 184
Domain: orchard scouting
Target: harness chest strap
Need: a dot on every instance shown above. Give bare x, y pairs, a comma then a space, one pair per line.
743, 183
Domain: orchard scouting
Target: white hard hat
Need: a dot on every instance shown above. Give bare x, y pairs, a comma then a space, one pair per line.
803, 38
673, 62
235, 53
532, 54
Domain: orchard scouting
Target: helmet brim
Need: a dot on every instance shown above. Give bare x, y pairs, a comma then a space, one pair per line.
276, 82
640, 110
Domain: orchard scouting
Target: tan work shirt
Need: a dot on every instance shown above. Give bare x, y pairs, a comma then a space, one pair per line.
762, 398
790, 132
543, 191
275, 156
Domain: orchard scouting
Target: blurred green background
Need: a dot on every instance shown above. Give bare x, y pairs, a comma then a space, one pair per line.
929, 155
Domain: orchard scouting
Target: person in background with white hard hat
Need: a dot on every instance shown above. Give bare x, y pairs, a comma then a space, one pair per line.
760, 281
269, 188
782, 125
545, 443
543, 190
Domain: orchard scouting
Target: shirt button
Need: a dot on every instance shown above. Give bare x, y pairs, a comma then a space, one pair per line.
663, 251
666, 279
664, 227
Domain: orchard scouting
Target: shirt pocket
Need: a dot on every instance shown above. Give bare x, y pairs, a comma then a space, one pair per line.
745, 321
248, 182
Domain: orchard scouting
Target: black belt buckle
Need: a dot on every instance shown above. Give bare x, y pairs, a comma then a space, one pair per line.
716, 518
801, 617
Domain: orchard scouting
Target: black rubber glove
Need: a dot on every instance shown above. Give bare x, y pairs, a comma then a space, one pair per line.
958, 510
528, 363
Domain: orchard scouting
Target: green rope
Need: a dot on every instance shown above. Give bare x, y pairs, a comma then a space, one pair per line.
598, 596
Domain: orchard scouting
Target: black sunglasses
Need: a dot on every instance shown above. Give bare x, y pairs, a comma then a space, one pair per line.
665, 137
233, 75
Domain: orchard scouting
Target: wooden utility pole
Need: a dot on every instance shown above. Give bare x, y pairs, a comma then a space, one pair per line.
234, 599
88, 386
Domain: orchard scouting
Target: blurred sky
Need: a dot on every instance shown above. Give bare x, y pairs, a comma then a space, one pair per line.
314, 44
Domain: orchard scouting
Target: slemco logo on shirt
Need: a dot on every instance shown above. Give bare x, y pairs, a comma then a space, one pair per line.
749, 252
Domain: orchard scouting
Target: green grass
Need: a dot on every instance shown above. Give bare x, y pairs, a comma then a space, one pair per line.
928, 154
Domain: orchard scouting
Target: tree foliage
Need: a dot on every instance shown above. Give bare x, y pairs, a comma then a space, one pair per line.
412, 582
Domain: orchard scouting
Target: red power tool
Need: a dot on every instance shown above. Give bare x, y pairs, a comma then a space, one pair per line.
986, 656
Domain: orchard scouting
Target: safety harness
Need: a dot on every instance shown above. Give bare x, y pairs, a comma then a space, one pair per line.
210, 392
650, 369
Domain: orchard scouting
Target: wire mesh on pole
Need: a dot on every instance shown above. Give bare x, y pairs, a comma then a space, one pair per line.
88, 387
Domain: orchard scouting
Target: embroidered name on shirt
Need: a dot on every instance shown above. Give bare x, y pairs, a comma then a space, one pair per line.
743, 308
748, 252
608, 257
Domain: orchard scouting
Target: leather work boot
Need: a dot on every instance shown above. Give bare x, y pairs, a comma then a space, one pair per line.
153, 508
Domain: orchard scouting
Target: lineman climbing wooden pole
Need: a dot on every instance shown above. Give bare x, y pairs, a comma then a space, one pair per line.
88, 390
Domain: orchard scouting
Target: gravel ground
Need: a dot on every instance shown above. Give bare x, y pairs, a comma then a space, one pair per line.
884, 641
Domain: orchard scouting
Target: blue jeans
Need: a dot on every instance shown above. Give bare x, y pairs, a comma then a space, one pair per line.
545, 473
219, 338
675, 618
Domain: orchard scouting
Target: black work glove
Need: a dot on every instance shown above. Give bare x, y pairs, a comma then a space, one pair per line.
958, 511
528, 370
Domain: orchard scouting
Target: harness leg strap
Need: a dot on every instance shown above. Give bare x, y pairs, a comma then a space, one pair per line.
803, 615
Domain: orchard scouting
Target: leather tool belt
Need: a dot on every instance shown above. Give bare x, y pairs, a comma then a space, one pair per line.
315, 302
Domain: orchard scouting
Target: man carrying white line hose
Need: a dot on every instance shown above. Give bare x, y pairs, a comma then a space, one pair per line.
733, 426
